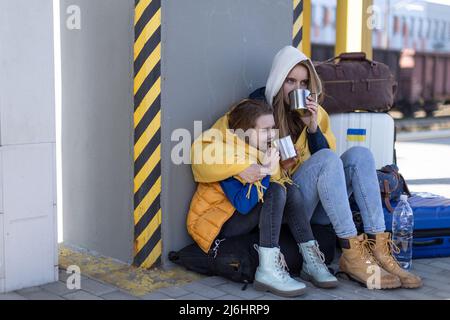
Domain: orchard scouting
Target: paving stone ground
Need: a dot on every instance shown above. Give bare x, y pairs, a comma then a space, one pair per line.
435, 273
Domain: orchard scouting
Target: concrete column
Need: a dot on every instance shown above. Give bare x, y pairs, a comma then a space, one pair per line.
302, 25
97, 125
28, 242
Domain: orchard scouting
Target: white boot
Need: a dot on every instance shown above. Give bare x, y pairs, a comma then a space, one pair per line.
314, 268
271, 274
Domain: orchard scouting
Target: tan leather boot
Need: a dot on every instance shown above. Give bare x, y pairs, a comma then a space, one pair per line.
382, 248
358, 263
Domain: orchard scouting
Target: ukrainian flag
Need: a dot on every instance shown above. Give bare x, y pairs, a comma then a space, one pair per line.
356, 135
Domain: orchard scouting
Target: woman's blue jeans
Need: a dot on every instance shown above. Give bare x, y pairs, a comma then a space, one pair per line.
326, 181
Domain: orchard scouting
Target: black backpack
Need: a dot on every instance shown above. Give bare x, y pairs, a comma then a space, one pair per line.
236, 259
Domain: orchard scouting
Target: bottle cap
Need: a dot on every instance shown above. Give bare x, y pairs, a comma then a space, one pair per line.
404, 197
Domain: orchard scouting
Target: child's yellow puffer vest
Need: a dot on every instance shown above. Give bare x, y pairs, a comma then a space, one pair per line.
210, 208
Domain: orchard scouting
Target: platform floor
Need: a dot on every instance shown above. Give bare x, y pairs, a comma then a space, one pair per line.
435, 272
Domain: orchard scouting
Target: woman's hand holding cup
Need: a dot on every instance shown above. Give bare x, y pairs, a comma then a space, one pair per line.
310, 118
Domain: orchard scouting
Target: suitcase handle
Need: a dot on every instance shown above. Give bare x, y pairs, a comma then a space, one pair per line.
427, 243
353, 56
358, 56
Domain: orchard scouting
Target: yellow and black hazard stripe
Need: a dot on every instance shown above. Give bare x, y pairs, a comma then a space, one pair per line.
297, 33
147, 133
301, 27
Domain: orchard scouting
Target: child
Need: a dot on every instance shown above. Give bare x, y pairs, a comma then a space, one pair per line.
232, 206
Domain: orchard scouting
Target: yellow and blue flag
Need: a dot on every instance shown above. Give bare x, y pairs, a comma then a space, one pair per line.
356, 135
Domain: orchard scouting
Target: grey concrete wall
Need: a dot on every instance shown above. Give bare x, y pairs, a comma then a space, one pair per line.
97, 140
214, 53
28, 242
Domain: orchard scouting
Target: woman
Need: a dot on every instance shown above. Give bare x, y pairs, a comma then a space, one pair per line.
231, 207
326, 180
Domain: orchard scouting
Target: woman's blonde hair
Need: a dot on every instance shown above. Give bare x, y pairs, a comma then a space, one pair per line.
288, 121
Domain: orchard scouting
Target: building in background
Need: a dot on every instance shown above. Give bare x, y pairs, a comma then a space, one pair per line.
404, 24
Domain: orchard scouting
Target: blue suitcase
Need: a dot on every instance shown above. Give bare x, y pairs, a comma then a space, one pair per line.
431, 225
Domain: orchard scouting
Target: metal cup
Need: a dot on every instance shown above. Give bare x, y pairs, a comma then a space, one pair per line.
286, 148
297, 99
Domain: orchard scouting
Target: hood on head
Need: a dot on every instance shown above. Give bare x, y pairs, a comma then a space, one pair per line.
286, 59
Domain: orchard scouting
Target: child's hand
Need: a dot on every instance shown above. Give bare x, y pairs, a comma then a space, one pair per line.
271, 160
254, 173
290, 163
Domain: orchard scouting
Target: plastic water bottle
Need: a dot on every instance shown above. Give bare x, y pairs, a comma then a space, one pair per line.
402, 232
